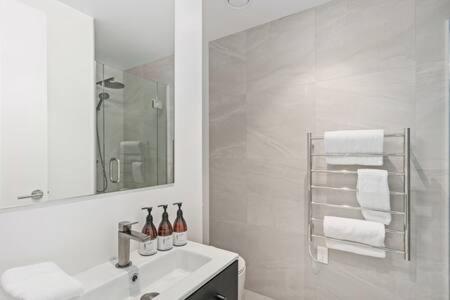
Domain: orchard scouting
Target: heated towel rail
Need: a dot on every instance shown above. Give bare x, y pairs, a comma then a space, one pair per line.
405, 194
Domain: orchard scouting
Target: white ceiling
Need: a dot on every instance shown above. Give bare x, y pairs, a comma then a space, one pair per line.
133, 32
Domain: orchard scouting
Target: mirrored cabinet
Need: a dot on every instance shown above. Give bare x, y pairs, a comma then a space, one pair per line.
86, 98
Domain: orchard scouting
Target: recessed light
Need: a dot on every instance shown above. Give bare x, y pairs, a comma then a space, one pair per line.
238, 4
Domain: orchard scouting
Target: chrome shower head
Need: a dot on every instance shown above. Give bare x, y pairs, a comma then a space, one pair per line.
111, 84
102, 97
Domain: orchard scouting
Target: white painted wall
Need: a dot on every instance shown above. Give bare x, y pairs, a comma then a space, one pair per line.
188, 107
80, 233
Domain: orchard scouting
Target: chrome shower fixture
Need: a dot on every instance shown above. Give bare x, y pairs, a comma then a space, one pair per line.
111, 84
102, 97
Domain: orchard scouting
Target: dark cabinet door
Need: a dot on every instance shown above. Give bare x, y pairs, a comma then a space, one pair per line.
222, 287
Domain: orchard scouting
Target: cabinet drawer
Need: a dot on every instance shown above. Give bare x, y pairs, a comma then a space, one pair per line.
222, 287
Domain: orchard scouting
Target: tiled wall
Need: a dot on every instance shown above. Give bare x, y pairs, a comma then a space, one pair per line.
345, 65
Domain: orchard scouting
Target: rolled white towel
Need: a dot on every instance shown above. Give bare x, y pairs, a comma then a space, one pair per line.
358, 142
43, 281
353, 230
373, 193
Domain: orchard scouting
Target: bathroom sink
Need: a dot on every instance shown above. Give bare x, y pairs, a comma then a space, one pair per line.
170, 275
161, 274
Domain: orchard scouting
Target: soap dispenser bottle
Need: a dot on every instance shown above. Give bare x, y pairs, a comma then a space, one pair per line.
165, 232
149, 247
179, 228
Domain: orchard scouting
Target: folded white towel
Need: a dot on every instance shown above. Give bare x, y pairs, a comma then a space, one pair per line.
44, 281
131, 147
373, 193
354, 142
353, 230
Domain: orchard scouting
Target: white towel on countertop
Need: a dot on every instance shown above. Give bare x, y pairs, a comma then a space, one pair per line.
353, 230
43, 281
372, 192
356, 142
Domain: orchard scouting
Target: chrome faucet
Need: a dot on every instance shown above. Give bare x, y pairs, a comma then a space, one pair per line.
125, 235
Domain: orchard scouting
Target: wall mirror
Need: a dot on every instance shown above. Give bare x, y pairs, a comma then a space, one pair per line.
86, 97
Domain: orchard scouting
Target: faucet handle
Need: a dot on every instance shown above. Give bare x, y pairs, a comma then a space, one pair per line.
126, 226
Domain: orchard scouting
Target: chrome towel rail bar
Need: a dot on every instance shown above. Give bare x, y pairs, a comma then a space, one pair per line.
393, 212
316, 220
348, 172
392, 250
347, 189
358, 154
389, 135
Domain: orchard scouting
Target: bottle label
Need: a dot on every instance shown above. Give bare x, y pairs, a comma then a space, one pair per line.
165, 242
180, 238
148, 247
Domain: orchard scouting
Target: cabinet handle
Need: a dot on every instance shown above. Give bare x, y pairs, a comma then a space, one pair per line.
35, 195
220, 297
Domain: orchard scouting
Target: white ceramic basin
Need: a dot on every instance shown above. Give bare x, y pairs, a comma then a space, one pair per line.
174, 274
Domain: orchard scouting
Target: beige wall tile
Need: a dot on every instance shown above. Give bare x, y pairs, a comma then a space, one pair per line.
349, 64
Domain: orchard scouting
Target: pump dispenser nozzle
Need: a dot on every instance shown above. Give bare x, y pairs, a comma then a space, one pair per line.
179, 212
149, 211
164, 206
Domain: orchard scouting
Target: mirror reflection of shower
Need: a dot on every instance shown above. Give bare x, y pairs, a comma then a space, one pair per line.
134, 132
103, 84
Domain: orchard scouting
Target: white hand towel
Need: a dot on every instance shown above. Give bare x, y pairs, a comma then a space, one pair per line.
44, 281
373, 193
353, 230
354, 142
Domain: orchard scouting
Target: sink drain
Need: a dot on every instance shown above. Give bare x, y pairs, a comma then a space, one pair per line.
149, 296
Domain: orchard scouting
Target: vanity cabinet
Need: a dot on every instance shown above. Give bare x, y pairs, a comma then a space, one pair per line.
222, 287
